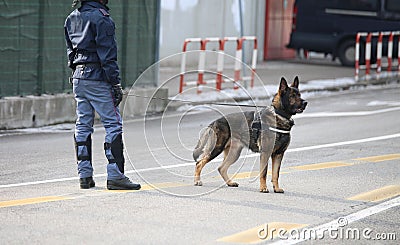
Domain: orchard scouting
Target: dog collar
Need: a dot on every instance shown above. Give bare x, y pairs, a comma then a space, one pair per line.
279, 130
283, 113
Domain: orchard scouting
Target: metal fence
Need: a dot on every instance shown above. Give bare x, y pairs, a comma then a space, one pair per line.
32, 45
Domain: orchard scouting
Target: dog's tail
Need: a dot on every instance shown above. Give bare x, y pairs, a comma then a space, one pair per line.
206, 143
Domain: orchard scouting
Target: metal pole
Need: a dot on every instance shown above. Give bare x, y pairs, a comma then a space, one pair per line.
124, 42
157, 41
241, 35
19, 58
357, 57
40, 87
241, 18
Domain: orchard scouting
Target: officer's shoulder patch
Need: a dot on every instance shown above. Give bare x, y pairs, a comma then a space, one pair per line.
104, 12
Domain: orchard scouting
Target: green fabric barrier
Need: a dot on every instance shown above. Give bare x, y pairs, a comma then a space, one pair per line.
32, 47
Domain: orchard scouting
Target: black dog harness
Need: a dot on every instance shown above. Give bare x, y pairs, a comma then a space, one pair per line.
256, 124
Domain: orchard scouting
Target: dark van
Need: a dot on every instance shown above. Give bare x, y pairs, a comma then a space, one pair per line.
330, 26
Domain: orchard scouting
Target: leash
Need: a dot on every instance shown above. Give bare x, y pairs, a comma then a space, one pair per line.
196, 102
220, 104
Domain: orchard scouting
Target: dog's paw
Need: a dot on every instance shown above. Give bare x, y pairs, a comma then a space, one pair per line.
264, 190
278, 190
233, 184
198, 183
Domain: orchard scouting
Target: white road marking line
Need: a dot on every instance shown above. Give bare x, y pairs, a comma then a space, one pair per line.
321, 229
345, 114
39, 182
384, 137
351, 142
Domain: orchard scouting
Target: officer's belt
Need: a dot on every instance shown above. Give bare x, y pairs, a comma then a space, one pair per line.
91, 65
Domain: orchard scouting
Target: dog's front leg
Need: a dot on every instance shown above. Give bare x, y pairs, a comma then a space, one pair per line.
276, 166
263, 171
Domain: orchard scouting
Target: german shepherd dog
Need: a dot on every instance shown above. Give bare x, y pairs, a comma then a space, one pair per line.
266, 131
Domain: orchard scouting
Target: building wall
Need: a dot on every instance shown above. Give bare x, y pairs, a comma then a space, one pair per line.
278, 25
181, 19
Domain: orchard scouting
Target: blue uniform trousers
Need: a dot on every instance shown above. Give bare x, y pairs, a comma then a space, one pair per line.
96, 96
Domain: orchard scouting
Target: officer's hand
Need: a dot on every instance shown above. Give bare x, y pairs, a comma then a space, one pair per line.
117, 93
71, 65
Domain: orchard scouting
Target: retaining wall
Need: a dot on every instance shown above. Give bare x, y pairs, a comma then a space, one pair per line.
37, 111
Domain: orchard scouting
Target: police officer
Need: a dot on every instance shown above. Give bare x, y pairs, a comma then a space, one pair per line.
92, 56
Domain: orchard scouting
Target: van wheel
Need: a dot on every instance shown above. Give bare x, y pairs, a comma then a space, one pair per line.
346, 53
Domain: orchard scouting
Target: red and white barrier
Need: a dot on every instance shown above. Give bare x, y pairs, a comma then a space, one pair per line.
368, 52
183, 61
220, 62
253, 60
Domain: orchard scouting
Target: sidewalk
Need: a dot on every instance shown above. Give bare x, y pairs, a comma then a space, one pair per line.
270, 72
315, 74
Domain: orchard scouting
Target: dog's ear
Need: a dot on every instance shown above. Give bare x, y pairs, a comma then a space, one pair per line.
283, 86
295, 83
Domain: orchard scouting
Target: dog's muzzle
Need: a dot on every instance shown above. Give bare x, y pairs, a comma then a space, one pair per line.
303, 106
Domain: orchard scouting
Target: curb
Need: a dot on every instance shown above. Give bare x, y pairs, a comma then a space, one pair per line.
174, 105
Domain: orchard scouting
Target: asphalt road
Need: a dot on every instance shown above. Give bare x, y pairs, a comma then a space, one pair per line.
344, 145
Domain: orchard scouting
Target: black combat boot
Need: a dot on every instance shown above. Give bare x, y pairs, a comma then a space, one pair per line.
122, 184
87, 183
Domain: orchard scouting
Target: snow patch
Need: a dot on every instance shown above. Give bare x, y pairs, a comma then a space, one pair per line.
383, 103
327, 83
261, 92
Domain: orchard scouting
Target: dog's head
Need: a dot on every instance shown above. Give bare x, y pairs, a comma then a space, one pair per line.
288, 99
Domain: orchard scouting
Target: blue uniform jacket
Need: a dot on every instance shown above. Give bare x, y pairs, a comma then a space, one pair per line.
90, 38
